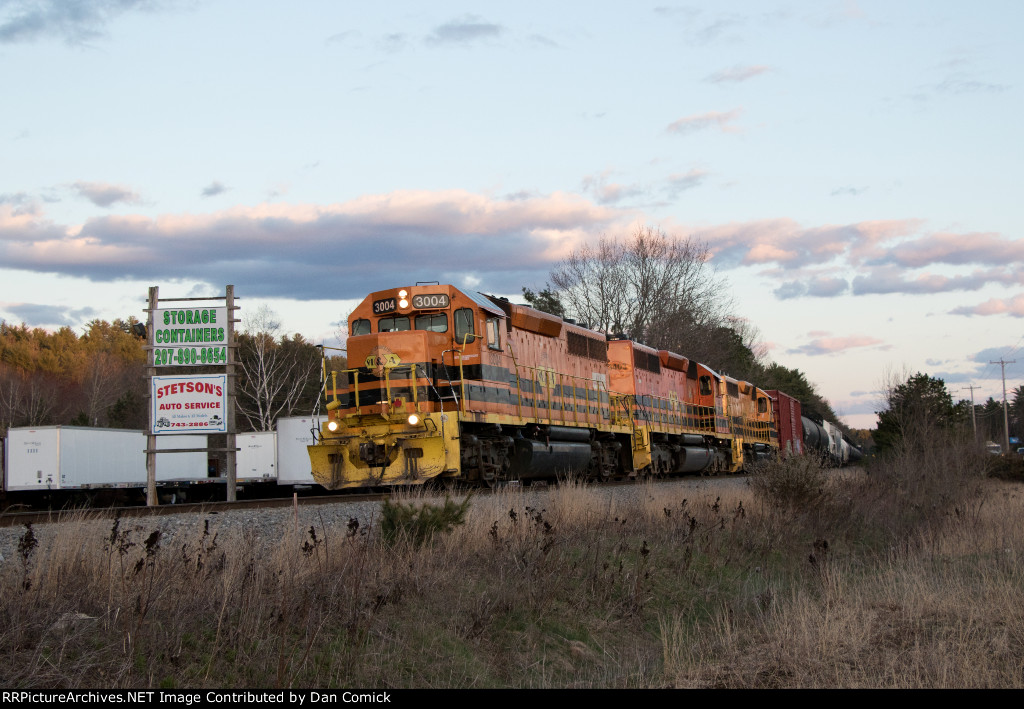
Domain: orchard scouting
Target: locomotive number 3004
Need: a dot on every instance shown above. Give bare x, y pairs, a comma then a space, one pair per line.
388, 305
430, 300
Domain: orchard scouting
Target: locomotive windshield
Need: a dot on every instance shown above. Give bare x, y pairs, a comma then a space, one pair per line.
361, 327
432, 323
396, 324
464, 325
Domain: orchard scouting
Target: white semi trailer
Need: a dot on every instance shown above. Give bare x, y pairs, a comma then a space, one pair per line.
80, 458
294, 433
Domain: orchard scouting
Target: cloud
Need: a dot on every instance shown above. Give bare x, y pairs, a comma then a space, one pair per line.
994, 306
717, 28
74, 21
956, 378
315, 251
545, 42
822, 287
38, 315
469, 29
213, 189
991, 354
342, 37
850, 191
790, 289
393, 42
956, 249
894, 280
606, 192
736, 74
703, 121
865, 258
22, 203
788, 244
104, 195
834, 345
687, 181
969, 86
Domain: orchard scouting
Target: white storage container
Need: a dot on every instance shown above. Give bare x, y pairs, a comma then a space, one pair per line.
179, 467
256, 460
70, 458
294, 434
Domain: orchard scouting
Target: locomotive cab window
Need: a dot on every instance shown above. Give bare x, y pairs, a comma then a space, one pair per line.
361, 327
705, 385
432, 323
493, 334
464, 331
393, 324
762, 405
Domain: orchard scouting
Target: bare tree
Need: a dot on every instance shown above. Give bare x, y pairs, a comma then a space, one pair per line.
274, 373
10, 397
659, 290
592, 286
41, 400
103, 384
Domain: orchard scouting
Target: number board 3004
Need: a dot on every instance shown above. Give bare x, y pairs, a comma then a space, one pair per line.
388, 305
430, 300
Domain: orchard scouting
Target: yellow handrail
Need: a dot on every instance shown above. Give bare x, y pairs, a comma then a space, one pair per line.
519, 389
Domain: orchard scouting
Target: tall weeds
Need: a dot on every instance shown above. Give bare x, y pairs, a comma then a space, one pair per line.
886, 579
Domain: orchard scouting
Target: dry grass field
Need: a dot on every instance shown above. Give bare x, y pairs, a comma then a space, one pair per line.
910, 576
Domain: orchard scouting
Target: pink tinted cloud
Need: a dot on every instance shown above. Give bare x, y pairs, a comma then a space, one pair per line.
835, 345
607, 192
782, 241
737, 74
995, 306
299, 249
712, 119
955, 249
870, 257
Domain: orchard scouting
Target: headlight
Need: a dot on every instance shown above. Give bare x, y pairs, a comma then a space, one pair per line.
403, 303
403, 293
413, 419
332, 426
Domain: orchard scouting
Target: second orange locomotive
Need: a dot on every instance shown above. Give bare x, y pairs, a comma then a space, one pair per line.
449, 383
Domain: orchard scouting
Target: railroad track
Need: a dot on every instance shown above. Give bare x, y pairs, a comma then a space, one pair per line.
15, 519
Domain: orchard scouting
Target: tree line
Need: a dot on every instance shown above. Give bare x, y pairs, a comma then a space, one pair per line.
98, 378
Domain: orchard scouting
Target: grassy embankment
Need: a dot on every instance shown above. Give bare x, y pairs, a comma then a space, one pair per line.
908, 577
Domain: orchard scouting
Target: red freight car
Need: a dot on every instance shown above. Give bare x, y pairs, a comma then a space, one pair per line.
790, 427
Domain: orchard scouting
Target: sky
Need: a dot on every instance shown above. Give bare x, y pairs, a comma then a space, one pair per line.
850, 164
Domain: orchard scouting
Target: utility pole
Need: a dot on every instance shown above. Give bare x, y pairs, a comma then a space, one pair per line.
1006, 416
974, 421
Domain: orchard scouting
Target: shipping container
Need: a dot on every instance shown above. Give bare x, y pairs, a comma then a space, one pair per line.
74, 458
294, 434
186, 467
256, 460
788, 420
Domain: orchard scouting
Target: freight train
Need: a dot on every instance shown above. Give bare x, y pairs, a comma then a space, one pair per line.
450, 384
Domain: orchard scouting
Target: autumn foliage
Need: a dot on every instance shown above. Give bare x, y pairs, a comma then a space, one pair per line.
92, 379
98, 377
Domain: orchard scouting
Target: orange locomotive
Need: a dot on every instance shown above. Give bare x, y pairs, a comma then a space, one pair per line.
453, 384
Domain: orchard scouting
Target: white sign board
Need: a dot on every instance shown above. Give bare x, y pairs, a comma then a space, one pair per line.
190, 336
189, 404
